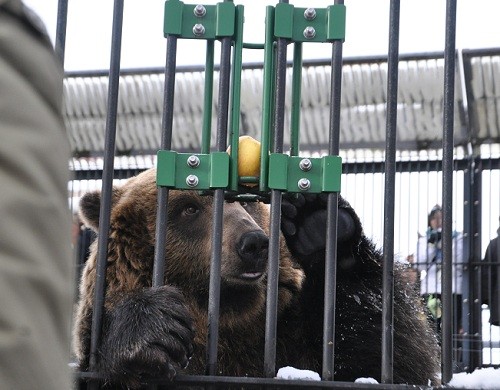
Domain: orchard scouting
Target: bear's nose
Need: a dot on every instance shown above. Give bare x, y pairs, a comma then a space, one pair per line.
253, 246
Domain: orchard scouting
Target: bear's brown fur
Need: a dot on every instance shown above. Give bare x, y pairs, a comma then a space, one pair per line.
153, 331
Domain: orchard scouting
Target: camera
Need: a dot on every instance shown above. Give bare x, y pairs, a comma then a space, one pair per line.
434, 236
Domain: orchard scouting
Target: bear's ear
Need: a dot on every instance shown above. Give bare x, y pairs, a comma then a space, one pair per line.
90, 205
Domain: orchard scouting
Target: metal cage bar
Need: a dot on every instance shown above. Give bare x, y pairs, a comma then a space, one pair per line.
166, 142
328, 359
389, 198
62, 20
107, 185
208, 98
273, 267
215, 264
448, 124
267, 94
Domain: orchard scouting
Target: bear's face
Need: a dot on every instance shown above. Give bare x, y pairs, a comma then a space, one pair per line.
189, 241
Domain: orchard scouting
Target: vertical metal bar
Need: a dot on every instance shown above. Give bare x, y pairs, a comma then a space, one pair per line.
332, 217
468, 287
296, 91
166, 142
273, 267
215, 265
206, 134
476, 256
107, 186
234, 124
267, 97
448, 121
62, 19
390, 191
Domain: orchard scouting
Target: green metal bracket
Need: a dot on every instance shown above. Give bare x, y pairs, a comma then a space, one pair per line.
299, 174
310, 24
207, 170
192, 171
191, 21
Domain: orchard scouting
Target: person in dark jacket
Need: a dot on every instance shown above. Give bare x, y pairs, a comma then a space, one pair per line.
489, 281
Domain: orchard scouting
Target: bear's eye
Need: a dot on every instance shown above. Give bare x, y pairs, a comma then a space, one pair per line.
191, 209
244, 204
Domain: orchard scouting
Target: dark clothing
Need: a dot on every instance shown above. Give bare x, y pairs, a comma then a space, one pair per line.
490, 290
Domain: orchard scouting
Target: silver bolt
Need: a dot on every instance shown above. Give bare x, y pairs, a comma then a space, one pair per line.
199, 11
310, 14
304, 184
192, 180
305, 164
193, 161
309, 32
198, 29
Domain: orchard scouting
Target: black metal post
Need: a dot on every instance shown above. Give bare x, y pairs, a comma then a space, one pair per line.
166, 143
107, 186
332, 217
274, 245
448, 122
215, 264
475, 330
390, 193
62, 19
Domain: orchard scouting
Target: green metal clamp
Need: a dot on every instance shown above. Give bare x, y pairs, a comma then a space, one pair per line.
299, 174
199, 21
189, 171
310, 24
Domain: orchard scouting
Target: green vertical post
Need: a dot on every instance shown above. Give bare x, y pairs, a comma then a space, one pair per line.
234, 122
206, 134
267, 98
296, 91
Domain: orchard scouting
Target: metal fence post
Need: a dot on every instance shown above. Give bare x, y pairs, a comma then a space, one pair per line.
107, 186
273, 269
389, 199
328, 359
62, 19
447, 202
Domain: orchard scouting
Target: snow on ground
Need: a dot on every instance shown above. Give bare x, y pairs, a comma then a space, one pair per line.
295, 373
485, 378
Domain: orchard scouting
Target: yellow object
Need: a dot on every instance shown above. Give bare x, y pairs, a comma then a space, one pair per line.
248, 157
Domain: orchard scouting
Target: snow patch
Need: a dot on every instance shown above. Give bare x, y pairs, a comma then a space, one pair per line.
366, 380
295, 373
485, 378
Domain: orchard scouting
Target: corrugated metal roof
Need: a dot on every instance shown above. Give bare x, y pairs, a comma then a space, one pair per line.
420, 102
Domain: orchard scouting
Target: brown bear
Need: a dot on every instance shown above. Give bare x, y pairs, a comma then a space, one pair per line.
150, 332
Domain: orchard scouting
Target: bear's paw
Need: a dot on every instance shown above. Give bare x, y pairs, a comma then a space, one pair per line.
149, 334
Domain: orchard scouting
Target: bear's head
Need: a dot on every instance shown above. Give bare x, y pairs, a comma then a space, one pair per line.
189, 244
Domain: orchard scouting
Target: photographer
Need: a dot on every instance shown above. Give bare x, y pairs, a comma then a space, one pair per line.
429, 258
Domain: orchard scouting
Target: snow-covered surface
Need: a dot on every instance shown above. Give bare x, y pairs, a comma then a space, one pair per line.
294, 373
486, 378
366, 380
